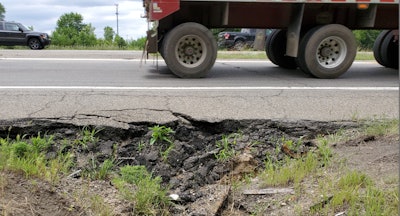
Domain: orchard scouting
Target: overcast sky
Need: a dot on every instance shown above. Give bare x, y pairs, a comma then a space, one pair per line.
43, 14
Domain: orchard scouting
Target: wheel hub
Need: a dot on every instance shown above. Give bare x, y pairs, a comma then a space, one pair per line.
326, 52
331, 52
190, 50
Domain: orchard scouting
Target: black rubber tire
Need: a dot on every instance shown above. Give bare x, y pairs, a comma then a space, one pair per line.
190, 50
327, 51
390, 51
34, 43
161, 48
275, 48
239, 45
377, 47
267, 47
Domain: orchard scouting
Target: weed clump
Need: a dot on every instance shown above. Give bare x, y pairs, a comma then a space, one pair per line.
227, 147
148, 196
162, 134
29, 156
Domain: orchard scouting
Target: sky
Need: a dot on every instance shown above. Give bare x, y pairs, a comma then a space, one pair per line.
42, 15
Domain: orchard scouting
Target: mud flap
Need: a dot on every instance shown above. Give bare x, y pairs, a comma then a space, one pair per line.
151, 45
293, 31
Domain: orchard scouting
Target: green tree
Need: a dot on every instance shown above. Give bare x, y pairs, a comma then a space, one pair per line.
2, 12
108, 34
366, 38
138, 44
87, 36
71, 30
120, 41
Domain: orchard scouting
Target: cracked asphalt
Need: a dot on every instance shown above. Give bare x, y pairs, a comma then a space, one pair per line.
220, 96
121, 108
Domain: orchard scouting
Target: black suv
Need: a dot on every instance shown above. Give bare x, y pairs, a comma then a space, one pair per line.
238, 40
14, 34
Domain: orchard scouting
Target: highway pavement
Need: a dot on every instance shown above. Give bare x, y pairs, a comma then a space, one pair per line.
118, 87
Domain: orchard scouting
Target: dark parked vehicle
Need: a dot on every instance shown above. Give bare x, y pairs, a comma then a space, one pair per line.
14, 34
238, 40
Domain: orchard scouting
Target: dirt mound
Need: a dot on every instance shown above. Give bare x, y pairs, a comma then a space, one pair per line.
21, 196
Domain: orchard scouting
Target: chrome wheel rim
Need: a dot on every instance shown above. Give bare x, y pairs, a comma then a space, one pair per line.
34, 44
331, 52
191, 51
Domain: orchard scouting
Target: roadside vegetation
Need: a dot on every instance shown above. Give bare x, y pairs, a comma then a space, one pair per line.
361, 55
336, 188
341, 191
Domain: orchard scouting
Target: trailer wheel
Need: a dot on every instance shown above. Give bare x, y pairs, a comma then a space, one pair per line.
390, 51
327, 51
189, 50
161, 48
275, 48
377, 47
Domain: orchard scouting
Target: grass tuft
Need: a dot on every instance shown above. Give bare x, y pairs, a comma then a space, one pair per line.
87, 136
149, 197
160, 133
227, 146
288, 171
381, 127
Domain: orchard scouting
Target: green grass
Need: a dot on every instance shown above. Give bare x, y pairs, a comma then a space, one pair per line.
381, 127
90, 202
340, 189
99, 206
160, 133
29, 157
149, 197
246, 55
242, 55
87, 135
227, 146
96, 47
261, 55
289, 171
365, 56
356, 194
102, 171
164, 153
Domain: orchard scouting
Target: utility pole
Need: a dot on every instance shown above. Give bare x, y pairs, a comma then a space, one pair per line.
116, 13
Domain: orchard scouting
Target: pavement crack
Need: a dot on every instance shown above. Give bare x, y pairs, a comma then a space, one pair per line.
179, 116
136, 109
47, 106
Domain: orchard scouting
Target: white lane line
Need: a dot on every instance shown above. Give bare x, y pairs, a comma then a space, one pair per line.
197, 88
68, 59
152, 60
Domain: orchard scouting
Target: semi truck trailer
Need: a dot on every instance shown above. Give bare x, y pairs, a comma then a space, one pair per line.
312, 35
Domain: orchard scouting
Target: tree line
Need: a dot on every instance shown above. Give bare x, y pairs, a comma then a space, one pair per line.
72, 31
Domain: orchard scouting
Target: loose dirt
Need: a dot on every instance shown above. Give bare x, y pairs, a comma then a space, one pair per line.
205, 185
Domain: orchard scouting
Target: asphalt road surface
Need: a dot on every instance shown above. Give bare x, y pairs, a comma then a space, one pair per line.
118, 87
